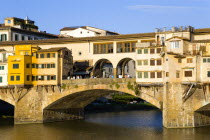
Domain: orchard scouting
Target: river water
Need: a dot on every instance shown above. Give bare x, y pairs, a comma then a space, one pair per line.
128, 125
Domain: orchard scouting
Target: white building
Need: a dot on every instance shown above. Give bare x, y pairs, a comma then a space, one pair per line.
84, 31
4, 66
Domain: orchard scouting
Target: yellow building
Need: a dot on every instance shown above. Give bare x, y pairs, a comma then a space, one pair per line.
34, 66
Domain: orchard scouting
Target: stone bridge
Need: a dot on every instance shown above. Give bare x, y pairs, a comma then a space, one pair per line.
56, 103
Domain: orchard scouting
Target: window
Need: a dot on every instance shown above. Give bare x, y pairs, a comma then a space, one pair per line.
37, 55
158, 50
22, 37
28, 77
126, 47
33, 78
152, 62
139, 51
17, 78
110, 48
16, 37
48, 65
11, 78
1, 79
159, 62
174, 44
48, 55
145, 51
139, 74
179, 60
15, 66
3, 37
208, 73
189, 60
152, 74
52, 65
139, 62
9, 21
1, 67
188, 73
29, 38
145, 62
119, 47
133, 46
53, 55
145, 74
42, 55
53, 77
27, 65
152, 51
177, 74
33, 65
42, 66
167, 74
159, 74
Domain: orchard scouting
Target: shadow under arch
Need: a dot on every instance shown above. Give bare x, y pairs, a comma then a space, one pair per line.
125, 67
103, 68
6, 108
71, 106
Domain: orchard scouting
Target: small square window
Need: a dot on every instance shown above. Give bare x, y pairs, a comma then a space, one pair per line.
145, 51
11, 78
18, 78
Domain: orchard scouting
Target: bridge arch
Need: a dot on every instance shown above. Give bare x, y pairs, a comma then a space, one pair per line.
125, 67
103, 68
81, 95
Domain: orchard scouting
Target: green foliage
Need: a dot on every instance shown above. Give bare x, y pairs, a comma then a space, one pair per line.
129, 86
76, 86
123, 98
117, 85
63, 86
111, 86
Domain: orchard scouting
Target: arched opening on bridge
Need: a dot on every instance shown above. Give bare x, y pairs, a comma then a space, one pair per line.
72, 107
126, 68
6, 109
103, 69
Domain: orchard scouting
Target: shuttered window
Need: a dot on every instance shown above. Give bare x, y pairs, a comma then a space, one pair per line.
189, 60
152, 51
152, 74
152, 62
139, 74
159, 74
158, 50
159, 62
188, 73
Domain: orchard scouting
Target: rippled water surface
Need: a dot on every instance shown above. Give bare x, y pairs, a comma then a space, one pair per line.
129, 125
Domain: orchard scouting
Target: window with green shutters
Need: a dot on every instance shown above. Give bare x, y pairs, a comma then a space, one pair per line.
15, 66
139, 74
145, 51
1, 79
139, 62
1, 67
48, 77
11, 78
139, 51
146, 75
17, 78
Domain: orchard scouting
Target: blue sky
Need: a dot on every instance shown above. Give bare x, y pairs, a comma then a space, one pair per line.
123, 16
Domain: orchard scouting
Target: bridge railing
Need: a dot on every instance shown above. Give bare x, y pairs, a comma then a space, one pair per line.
94, 81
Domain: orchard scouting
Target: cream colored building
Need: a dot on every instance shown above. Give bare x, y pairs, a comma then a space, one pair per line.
17, 29
176, 55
